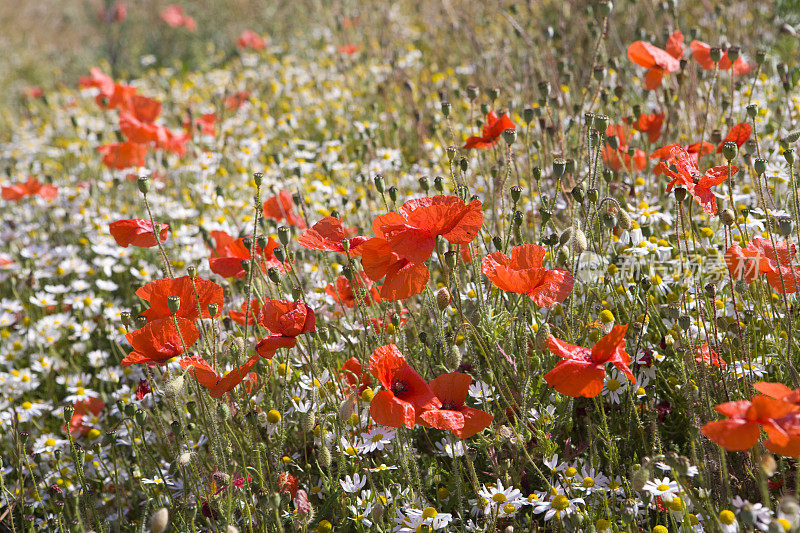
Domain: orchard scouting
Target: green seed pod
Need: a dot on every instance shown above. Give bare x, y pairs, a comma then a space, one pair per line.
729, 150
760, 166
446, 108
392, 194
274, 275
609, 220
438, 183
680, 194
223, 411
593, 195
143, 182
537, 173
578, 242
497, 242
213, 309
577, 194
464, 164
608, 175
473, 92
559, 167
527, 115
280, 253
752, 110
509, 136
380, 185
684, 321
788, 155
424, 184
450, 259
324, 457
493, 93
443, 298
727, 217
545, 215
159, 521
716, 54
515, 192
173, 304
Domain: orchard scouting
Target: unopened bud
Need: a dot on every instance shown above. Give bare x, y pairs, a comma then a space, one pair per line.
274, 276
727, 217
443, 298
159, 521
542, 337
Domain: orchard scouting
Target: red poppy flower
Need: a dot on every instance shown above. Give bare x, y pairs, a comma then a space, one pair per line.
210, 379
32, 92
286, 320
404, 240
354, 374
228, 254
97, 78
705, 355
175, 17
173, 142
650, 124
120, 98
741, 430
159, 340
250, 39
738, 134
523, 273
206, 124
327, 235
582, 371
32, 187
280, 207
137, 232
253, 311
349, 49
84, 408
696, 151
451, 389
616, 158
701, 52
157, 292
492, 130
655, 60
236, 100
139, 132
761, 257
687, 174
288, 483
675, 45
123, 155
405, 394
144, 109
343, 293
117, 13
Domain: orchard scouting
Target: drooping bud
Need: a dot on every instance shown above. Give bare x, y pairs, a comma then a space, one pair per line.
727, 217
542, 336
624, 220
578, 241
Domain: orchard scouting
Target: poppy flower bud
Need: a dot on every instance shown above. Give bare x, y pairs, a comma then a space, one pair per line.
452, 357
307, 421
680, 194
472, 92
379, 184
716, 54
443, 298
438, 184
140, 417
577, 193
565, 236
174, 387
729, 150
542, 336
788, 155
624, 220
159, 521
752, 110
446, 108
727, 217
324, 458
639, 478
450, 259
609, 220
760, 166
608, 175
578, 242
424, 183
274, 276
599, 72
612, 141
527, 115
223, 411
280, 253
493, 93
497, 242
740, 286
537, 173
125, 318
559, 166
550, 240
785, 226
143, 182
562, 257
392, 193
464, 164
173, 304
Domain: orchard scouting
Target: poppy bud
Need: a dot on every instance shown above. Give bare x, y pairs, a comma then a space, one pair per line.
450, 259
729, 150
680, 194
257, 178
727, 217
639, 478
324, 457
613, 142
788, 155
140, 417
578, 244
472, 92
785, 226
443, 298
565, 236
159, 521
125, 318
392, 193
464, 164
760, 166
484, 110
143, 182
497, 242
424, 183
280, 253
599, 72
446, 108
577, 193
379, 184
545, 215
493, 93
174, 387
625, 222
542, 336
438, 183
752, 110
550, 240
559, 166
527, 115
761, 55
307, 421
600, 123
173, 304
562, 257
608, 175
716, 54
609, 220
537, 173
453, 357
274, 275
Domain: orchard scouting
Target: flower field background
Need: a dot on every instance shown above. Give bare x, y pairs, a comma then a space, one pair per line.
361, 266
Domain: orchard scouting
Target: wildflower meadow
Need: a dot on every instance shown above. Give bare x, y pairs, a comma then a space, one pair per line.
401, 267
